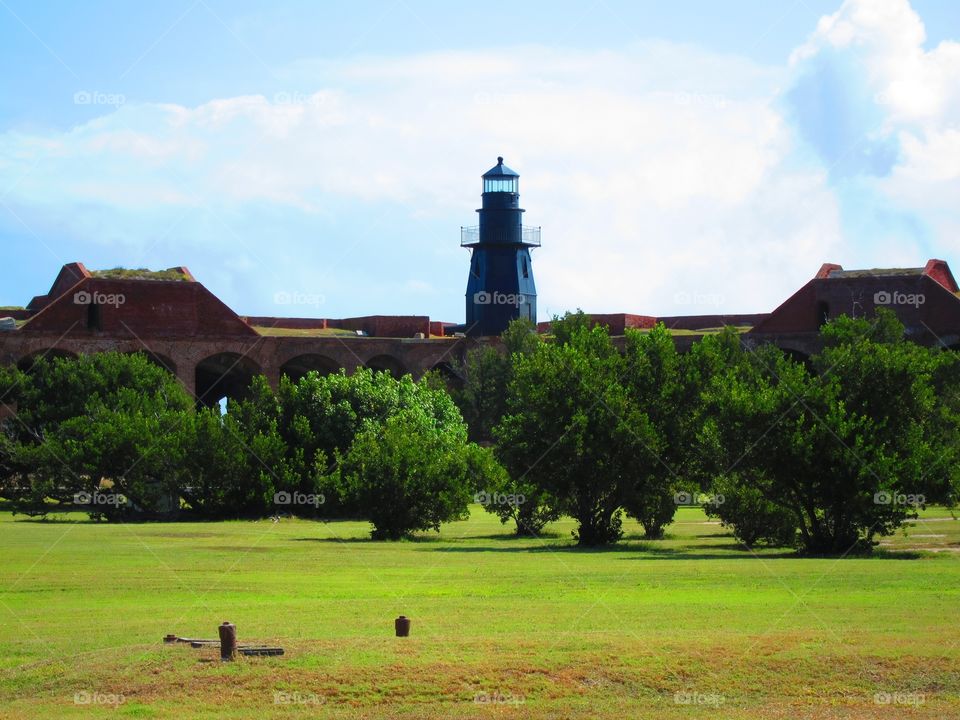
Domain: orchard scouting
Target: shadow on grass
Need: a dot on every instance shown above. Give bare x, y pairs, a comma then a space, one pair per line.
431, 538
186, 519
635, 552
83, 519
647, 551
730, 551
895, 555
354, 539
351, 540
731, 546
734, 551
644, 549
57, 520
510, 537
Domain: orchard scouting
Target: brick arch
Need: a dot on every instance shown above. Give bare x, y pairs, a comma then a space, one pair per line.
950, 342
157, 359
449, 373
224, 375
26, 362
799, 348
299, 365
387, 363
798, 355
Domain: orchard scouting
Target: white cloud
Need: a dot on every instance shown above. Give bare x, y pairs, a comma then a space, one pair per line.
886, 37
656, 171
902, 100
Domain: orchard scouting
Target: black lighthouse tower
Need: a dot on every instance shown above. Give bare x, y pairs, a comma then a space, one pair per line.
500, 287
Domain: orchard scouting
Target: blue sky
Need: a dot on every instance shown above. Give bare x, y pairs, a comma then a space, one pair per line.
682, 157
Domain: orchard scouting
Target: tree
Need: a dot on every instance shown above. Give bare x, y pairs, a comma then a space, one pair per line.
322, 418
105, 418
518, 500
482, 399
323, 414
850, 450
753, 519
565, 327
11, 472
486, 373
237, 465
573, 431
118, 461
214, 458
655, 377
57, 389
406, 473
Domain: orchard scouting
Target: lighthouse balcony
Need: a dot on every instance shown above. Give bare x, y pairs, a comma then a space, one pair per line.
528, 236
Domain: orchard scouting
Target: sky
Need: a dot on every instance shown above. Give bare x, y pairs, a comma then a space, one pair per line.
318, 159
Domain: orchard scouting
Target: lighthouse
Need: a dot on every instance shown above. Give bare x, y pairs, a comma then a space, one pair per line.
500, 287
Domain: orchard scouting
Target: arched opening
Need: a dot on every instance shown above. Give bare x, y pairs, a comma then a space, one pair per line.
796, 355
450, 375
799, 356
27, 362
296, 367
224, 375
949, 342
387, 363
823, 314
161, 361
93, 316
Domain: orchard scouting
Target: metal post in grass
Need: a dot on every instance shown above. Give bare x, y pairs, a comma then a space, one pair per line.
228, 640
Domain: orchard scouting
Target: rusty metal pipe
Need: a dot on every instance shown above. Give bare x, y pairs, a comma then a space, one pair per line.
228, 640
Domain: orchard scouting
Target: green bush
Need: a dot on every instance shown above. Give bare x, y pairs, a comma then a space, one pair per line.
103, 432
406, 473
754, 520
849, 448
574, 432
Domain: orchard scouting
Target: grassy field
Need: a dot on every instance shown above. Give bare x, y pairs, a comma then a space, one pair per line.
690, 626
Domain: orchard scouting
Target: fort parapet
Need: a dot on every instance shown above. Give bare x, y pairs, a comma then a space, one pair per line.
181, 325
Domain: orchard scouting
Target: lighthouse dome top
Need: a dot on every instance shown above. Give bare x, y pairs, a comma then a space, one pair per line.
500, 170
500, 178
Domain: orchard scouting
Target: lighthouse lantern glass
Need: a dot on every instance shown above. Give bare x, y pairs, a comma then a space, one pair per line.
505, 185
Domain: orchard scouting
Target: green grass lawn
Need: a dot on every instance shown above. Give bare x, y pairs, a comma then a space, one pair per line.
690, 626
